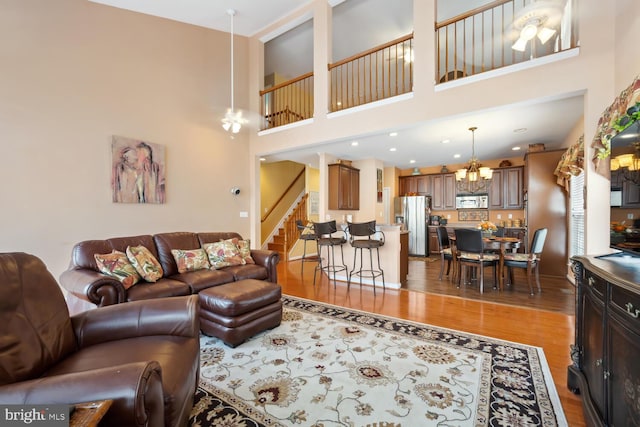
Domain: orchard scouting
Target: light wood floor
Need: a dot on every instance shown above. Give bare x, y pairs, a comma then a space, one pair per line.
544, 320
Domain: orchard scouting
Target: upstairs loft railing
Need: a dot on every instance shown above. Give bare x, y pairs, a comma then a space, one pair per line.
378, 73
482, 39
287, 102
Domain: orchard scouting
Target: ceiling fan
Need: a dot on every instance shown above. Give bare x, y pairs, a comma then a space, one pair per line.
233, 119
540, 18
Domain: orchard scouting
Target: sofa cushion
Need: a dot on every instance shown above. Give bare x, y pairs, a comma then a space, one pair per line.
190, 259
223, 254
163, 288
116, 264
145, 263
165, 242
248, 271
202, 279
244, 246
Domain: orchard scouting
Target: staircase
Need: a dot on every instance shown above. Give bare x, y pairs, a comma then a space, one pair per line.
278, 244
288, 233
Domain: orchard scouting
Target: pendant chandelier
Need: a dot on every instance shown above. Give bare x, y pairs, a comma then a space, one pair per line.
628, 164
473, 178
232, 120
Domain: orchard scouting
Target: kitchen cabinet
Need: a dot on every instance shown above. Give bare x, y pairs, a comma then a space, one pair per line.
630, 191
420, 185
433, 240
607, 341
344, 187
506, 189
444, 192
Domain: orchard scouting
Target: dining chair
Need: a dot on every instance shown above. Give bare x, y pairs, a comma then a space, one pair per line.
444, 249
329, 237
363, 235
307, 234
529, 261
470, 253
499, 232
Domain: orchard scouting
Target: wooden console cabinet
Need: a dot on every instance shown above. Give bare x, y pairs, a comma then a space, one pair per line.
605, 370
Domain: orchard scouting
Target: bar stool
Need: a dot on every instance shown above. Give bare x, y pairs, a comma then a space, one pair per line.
306, 235
325, 238
361, 237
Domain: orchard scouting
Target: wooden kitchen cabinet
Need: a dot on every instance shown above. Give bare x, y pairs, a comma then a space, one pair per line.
506, 189
344, 187
444, 192
420, 185
604, 369
433, 240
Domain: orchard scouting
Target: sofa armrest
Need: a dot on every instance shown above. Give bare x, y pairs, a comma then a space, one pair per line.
269, 260
135, 388
178, 316
94, 287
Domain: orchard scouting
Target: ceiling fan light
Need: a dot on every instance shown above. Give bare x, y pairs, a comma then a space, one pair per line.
235, 127
226, 125
528, 32
545, 34
520, 45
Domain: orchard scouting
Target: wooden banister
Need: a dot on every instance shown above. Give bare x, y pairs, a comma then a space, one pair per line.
287, 83
372, 50
282, 196
470, 13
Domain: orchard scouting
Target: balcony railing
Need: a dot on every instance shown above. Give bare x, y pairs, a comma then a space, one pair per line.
485, 38
375, 74
287, 102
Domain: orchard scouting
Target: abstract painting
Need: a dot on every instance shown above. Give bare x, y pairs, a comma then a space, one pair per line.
138, 171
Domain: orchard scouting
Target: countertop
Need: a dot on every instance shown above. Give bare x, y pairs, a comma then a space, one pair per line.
472, 225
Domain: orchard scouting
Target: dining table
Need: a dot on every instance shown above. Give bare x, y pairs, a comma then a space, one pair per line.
493, 244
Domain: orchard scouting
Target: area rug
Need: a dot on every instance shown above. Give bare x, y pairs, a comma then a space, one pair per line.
330, 366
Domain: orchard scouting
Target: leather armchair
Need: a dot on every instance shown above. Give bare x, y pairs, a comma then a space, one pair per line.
143, 355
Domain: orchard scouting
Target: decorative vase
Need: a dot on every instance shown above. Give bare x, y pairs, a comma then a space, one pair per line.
487, 233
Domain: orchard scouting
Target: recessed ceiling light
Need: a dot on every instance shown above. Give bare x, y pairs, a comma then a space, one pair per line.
516, 148
412, 161
456, 156
445, 141
393, 134
262, 159
354, 144
338, 103
520, 130
392, 149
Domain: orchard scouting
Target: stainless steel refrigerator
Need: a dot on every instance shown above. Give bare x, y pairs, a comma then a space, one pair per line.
416, 211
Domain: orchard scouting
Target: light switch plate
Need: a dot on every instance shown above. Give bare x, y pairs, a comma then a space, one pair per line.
244, 214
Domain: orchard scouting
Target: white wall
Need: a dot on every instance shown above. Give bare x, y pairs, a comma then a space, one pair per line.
74, 73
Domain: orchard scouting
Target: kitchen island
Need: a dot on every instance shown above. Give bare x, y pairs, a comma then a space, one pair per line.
394, 257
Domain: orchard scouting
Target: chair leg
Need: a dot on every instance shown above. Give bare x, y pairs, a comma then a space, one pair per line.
530, 277
441, 266
537, 272
304, 255
384, 286
481, 272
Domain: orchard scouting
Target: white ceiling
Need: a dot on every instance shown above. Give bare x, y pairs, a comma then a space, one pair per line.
547, 122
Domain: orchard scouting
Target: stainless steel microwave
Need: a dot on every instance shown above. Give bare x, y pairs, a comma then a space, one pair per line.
472, 201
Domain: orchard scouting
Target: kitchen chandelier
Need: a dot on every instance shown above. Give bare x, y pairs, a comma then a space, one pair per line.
232, 119
474, 177
629, 165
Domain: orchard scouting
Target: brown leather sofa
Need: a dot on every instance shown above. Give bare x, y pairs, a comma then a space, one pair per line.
144, 355
88, 287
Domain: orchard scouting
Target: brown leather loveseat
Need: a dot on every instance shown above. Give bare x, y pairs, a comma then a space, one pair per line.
88, 287
144, 356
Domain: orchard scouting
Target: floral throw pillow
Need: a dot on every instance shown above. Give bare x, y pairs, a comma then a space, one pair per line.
244, 246
190, 260
116, 264
223, 254
145, 263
